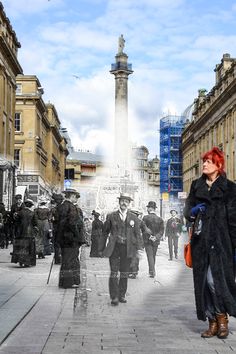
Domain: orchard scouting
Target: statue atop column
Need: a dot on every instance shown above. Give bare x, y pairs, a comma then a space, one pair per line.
121, 44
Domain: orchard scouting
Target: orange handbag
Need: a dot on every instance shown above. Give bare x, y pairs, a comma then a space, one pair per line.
187, 250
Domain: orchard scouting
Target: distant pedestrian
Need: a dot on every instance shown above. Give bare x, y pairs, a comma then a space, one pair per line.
96, 234
43, 217
173, 232
211, 205
152, 236
87, 230
3, 238
57, 199
17, 206
71, 237
122, 229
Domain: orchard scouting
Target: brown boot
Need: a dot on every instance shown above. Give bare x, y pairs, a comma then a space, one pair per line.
212, 330
222, 320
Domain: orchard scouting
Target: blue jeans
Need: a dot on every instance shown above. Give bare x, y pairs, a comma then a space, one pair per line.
212, 306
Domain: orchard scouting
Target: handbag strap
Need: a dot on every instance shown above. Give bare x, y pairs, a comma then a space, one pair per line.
190, 233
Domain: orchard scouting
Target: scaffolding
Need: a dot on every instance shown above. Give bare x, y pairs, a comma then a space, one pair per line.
171, 180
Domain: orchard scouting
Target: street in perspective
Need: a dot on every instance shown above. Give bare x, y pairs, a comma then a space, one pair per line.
117, 177
159, 316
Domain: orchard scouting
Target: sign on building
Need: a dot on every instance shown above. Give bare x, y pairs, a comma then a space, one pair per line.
182, 195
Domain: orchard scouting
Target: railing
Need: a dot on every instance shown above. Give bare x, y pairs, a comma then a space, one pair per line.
120, 66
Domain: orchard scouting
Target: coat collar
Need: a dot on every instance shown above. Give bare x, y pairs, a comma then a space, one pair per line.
217, 189
129, 216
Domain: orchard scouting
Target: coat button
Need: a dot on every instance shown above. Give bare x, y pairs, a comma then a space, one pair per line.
212, 247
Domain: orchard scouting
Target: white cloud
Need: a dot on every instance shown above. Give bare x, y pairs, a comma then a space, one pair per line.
16, 8
172, 44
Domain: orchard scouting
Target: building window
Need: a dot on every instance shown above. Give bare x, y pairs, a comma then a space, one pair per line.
18, 89
17, 157
17, 122
69, 173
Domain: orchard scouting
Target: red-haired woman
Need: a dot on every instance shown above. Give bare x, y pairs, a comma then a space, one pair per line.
211, 205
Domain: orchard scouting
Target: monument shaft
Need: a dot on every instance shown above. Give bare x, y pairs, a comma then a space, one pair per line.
121, 69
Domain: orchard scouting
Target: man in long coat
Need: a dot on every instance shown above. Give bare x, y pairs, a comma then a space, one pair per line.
173, 232
122, 229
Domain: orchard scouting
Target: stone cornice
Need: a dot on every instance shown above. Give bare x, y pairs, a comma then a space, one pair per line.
10, 57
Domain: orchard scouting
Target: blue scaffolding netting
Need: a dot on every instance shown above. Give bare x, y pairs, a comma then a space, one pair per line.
171, 180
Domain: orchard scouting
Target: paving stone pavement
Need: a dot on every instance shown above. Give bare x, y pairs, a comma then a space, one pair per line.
159, 316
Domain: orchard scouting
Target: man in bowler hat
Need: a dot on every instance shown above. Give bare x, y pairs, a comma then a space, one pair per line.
173, 231
122, 229
152, 235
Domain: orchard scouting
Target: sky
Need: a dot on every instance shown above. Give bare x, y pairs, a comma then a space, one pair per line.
173, 45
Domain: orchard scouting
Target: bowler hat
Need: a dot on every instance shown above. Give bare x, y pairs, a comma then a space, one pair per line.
125, 196
71, 191
95, 213
152, 204
171, 211
18, 196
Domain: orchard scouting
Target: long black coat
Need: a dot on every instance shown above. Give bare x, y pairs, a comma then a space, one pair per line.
70, 225
155, 227
216, 243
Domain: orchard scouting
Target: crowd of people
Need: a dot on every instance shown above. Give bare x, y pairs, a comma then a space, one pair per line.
58, 226
123, 236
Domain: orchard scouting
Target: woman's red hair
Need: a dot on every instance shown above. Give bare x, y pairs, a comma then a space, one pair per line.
217, 157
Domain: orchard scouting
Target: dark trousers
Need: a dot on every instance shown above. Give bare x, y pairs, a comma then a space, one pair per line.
173, 242
119, 263
151, 250
134, 266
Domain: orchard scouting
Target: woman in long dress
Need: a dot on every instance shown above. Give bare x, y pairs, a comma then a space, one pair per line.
71, 237
43, 221
24, 244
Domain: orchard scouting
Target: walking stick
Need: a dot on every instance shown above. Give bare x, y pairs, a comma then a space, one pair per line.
51, 268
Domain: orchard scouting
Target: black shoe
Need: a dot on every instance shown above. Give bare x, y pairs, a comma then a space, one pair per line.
122, 300
170, 259
115, 302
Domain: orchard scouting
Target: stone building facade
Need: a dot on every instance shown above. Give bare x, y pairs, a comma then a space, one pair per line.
9, 69
83, 169
213, 123
146, 174
40, 149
